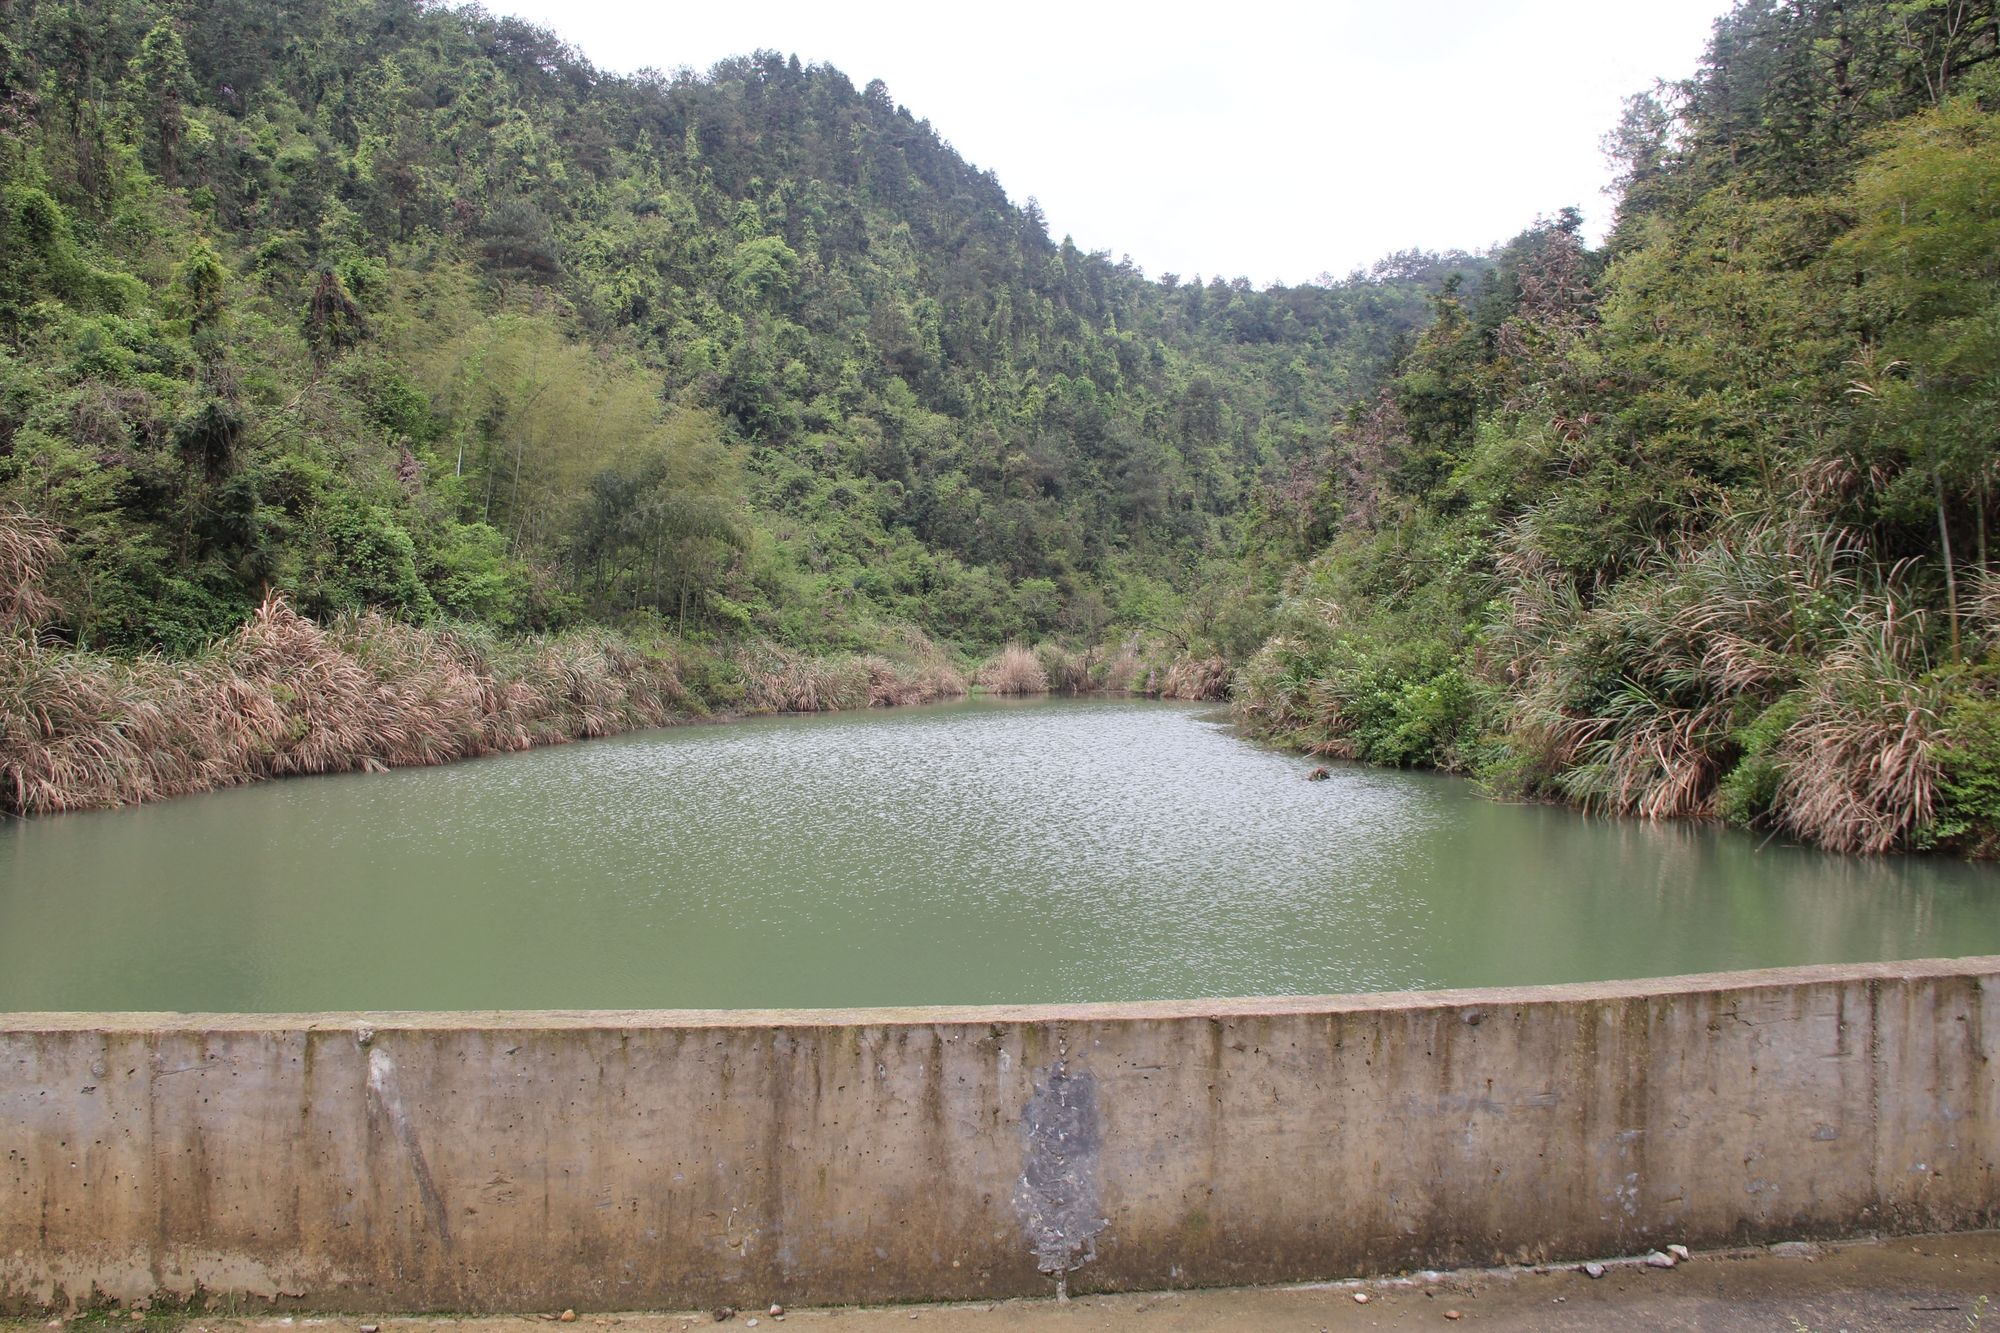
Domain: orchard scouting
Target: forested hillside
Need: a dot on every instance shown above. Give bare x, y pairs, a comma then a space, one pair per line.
407, 307
601, 399
1697, 523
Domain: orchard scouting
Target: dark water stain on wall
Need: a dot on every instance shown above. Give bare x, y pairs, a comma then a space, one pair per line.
1061, 1148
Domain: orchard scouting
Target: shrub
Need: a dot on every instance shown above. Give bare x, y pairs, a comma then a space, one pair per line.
1969, 778
1751, 788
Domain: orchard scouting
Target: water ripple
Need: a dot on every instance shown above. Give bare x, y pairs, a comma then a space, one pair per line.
987, 851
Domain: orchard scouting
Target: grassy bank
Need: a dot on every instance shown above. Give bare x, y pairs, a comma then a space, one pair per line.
285, 694
1775, 679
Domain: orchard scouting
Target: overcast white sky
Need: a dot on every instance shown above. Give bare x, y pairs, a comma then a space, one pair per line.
1266, 138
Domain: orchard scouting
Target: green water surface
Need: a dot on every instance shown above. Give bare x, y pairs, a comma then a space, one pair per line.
1061, 850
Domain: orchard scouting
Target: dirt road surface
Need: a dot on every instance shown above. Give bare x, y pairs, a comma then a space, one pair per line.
1924, 1282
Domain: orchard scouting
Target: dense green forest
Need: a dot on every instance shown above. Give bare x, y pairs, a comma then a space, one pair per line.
615, 397
409, 307
1697, 523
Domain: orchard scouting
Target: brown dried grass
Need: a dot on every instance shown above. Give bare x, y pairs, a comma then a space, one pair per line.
1066, 672
28, 547
898, 684
1196, 678
1983, 609
1699, 636
1859, 770
919, 672
1648, 758
1014, 671
778, 680
284, 695
1123, 670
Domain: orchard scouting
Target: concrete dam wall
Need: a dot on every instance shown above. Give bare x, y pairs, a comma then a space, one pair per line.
494, 1161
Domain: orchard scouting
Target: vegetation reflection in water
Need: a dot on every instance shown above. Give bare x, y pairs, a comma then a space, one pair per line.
1050, 851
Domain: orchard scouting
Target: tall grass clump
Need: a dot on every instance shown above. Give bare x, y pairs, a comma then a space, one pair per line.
28, 547
1014, 670
1859, 769
1632, 703
1066, 672
1123, 670
910, 669
780, 680
913, 670
1776, 677
1772, 673
283, 695
1190, 677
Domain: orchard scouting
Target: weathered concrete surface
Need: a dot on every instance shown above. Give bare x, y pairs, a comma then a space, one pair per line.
487, 1161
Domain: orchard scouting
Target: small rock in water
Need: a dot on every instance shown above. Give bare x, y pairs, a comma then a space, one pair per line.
1361, 1298
1318, 775
723, 1315
1657, 1260
776, 1309
371, 1328
1679, 1252
567, 1316
1594, 1270
751, 1322
1452, 1314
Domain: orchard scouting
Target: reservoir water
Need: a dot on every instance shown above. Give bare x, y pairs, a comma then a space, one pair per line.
1059, 850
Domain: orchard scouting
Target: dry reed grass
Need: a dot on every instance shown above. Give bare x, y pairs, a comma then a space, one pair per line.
1123, 670
1014, 671
1713, 636
1196, 678
1066, 672
897, 684
1858, 772
1691, 641
777, 680
28, 546
919, 673
284, 695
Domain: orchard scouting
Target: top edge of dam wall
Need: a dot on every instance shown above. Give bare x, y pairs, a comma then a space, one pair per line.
149, 1020
516, 1160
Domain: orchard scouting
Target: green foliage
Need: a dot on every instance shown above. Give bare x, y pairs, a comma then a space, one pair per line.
1970, 782
752, 352
1371, 655
1750, 789
1724, 486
